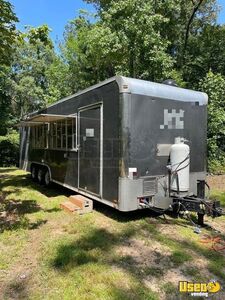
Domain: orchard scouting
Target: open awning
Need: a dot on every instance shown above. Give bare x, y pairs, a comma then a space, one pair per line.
44, 118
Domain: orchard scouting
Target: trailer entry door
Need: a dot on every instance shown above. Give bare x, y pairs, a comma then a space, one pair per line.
90, 149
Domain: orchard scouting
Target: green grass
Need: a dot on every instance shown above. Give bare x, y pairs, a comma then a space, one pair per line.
11, 246
219, 196
180, 257
191, 271
169, 288
102, 255
155, 271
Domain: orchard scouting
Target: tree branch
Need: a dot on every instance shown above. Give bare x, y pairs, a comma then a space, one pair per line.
195, 9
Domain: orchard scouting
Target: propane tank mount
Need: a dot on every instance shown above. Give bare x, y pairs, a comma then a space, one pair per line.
179, 172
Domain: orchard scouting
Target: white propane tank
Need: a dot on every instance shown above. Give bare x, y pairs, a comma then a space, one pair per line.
180, 165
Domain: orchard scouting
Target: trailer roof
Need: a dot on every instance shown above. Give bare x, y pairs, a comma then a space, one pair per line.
147, 88
159, 90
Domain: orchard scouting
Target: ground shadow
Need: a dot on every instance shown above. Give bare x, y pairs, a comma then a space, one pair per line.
25, 181
7, 170
99, 247
13, 213
123, 216
51, 210
82, 252
153, 216
17, 289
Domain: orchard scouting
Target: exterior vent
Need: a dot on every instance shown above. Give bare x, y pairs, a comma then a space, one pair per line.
150, 186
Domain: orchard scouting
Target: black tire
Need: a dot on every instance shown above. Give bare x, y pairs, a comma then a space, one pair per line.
40, 175
47, 179
33, 173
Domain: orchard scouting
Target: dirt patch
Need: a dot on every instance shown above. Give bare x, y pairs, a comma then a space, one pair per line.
144, 256
153, 264
16, 279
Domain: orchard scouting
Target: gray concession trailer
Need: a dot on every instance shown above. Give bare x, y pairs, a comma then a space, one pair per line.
113, 142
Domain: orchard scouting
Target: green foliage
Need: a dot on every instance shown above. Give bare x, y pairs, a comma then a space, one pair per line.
7, 38
7, 31
39, 35
28, 85
59, 80
214, 86
126, 40
6, 119
9, 149
150, 40
206, 51
185, 19
37, 76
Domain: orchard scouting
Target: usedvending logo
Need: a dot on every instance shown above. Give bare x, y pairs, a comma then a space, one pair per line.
173, 119
199, 289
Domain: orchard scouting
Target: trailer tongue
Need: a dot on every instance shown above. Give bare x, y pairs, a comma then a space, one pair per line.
198, 205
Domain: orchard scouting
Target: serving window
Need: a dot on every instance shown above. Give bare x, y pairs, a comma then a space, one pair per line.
60, 134
63, 134
39, 136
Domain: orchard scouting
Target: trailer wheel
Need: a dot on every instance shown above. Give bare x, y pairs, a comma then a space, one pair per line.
40, 175
33, 173
47, 179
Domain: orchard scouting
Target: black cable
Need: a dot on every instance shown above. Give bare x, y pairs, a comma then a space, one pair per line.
182, 168
181, 161
193, 223
169, 182
177, 181
162, 211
